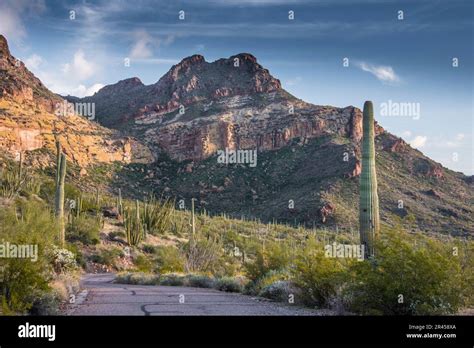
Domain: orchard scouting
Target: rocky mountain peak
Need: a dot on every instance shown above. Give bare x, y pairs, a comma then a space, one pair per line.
4, 51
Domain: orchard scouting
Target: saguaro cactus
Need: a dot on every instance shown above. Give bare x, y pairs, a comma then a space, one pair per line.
59, 196
369, 219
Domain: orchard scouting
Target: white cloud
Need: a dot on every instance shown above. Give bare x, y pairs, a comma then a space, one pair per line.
73, 77
81, 68
406, 134
12, 15
142, 47
382, 73
83, 91
418, 141
33, 62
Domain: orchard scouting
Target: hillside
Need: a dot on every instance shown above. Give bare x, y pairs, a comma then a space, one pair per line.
32, 117
306, 153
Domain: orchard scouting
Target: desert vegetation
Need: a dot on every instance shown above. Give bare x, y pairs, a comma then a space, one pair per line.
151, 242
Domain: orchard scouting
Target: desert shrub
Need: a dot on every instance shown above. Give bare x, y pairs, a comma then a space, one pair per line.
199, 281
149, 249
229, 284
202, 254
45, 304
17, 181
269, 278
79, 256
319, 277
117, 236
107, 257
62, 260
143, 263
274, 257
169, 259
279, 291
21, 279
411, 275
84, 229
139, 278
172, 279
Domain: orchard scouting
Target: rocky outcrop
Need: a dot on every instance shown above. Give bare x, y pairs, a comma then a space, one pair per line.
326, 211
28, 121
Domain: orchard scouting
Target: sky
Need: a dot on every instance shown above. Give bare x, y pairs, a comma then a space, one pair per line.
415, 65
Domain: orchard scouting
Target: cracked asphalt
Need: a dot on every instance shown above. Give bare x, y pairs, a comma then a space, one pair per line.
103, 297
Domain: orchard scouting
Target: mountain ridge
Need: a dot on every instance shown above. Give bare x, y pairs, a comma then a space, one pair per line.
308, 154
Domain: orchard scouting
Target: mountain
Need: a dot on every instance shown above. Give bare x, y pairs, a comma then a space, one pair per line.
31, 117
308, 156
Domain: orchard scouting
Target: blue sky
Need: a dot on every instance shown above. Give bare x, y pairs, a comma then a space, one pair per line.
402, 61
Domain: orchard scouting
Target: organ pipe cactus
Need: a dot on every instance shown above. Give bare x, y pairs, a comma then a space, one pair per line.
369, 219
134, 229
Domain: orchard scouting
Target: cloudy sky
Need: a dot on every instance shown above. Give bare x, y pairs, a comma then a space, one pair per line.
392, 61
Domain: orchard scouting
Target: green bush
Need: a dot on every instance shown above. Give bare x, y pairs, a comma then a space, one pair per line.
274, 257
279, 291
172, 279
84, 229
22, 279
139, 278
199, 281
149, 249
412, 275
117, 236
45, 304
319, 277
269, 278
143, 264
229, 284
107, 257
169, 259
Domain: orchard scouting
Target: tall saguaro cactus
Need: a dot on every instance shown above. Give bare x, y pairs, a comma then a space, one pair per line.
369, 219
59, 196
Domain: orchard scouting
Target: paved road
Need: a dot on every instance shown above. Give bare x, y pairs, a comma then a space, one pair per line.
102, 297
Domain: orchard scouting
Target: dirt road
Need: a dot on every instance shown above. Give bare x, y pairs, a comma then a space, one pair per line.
102, 297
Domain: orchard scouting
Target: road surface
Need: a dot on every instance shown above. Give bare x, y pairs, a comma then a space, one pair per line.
102, 297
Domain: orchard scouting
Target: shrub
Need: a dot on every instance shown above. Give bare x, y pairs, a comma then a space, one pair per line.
107, 256
21, 279
84, 229
169, 259
268, 279
139, 278
149, 249
62, 260
229, 284
45, 304
117, 236
202, 255
143, 264
275, 257
279, 291
407, 278
172, 279
199, 281
319, 277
